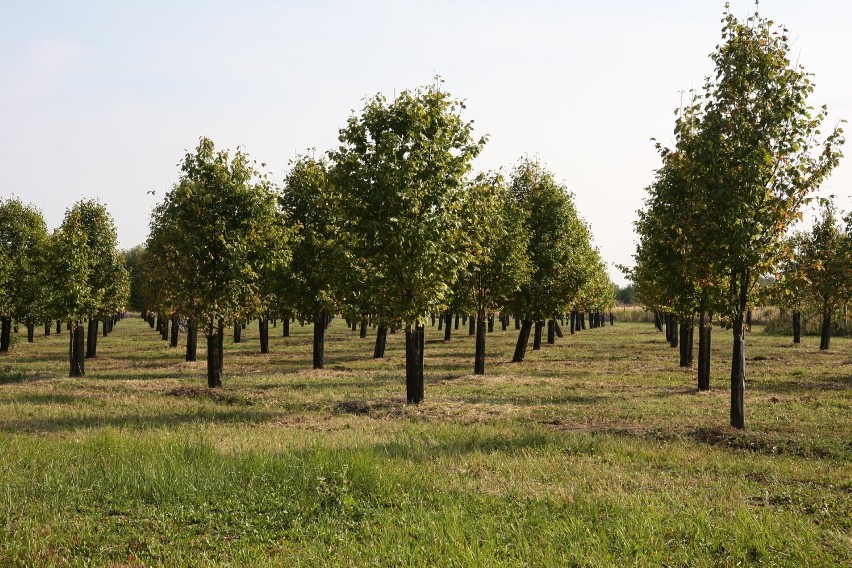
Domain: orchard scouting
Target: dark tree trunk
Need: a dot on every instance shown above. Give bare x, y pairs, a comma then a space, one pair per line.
551, 331
448, 327
156, 324
464, 319
490, 324
285, 325
214, 354
738, 376
479, 357
685, 344
441, 318
471, 329
58, 327
414, 342
238, 332
673, 339
572, 322
690, 354
517, 323
354, 324
797, 327
47, 329
658, 321
748, 320
363, 332
191, 341
173, 339
523, 340
106, 327
611, 319
92, 343
703, 354
537, 338
151, 321
77, 351
381, 341
583, 320
457, 322
558, 329
319, 339
825, 335
30, 333
433, 319
504, 323
263, 331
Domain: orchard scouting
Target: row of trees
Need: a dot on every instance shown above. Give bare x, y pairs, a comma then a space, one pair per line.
389, 227
75, 275
748, 154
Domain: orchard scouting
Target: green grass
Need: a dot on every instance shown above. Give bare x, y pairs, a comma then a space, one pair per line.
597, 451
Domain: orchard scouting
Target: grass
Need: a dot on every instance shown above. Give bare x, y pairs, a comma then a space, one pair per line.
597, 451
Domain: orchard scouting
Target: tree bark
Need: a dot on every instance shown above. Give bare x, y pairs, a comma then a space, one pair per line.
214, 354
92, 343
504, 323
381, 341
319, 339
739, 289
517, 323
825, 335
58, 327
263, 331
457, 322
30, 333
238, 332
191, 341
285, 325
441, 318
523, 340
797, 327
684, 344
76, 351
479, 357
572, 322
537, 338
363, 333
551, 331
173, 339
448, 327
704, 332
491, 323
558, 329
471, 329
414, 342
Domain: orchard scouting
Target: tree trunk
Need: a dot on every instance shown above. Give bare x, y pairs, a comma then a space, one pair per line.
441, 318
238, 332
825, 335
684, 344
414, 342
448, 327
76, 351
523, 340
479, 357
738, 375
537, 338
471, 329
285, 325
582, 320
92, 343
191, 341
797, 327
551, 331
572, 322
58, 327
517, 323
263, 331
214, 354
673, 340
30, 333
47, 329
504, 323
611, 319
363, 332
457, 322
704, 335
173, 340
381, 341
319, 339
491, 323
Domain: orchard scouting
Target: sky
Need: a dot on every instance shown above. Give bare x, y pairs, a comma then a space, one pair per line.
102, 99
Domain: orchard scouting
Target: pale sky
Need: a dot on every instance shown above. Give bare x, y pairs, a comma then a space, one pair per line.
102, 99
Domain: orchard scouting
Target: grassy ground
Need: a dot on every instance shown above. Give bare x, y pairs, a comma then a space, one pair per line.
597, 451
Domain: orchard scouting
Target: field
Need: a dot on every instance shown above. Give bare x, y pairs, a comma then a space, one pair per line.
597, 451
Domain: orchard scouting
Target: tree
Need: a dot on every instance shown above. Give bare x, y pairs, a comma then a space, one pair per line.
558, 246
499, 266
826, 258
86, 279
761, 157
217, 231
23, 248
312, 282
402, 166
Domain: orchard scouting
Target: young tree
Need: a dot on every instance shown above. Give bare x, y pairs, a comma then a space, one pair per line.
402, 166
215, 233
558, 246
23, 248
761, 157
499, 266
311, 284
